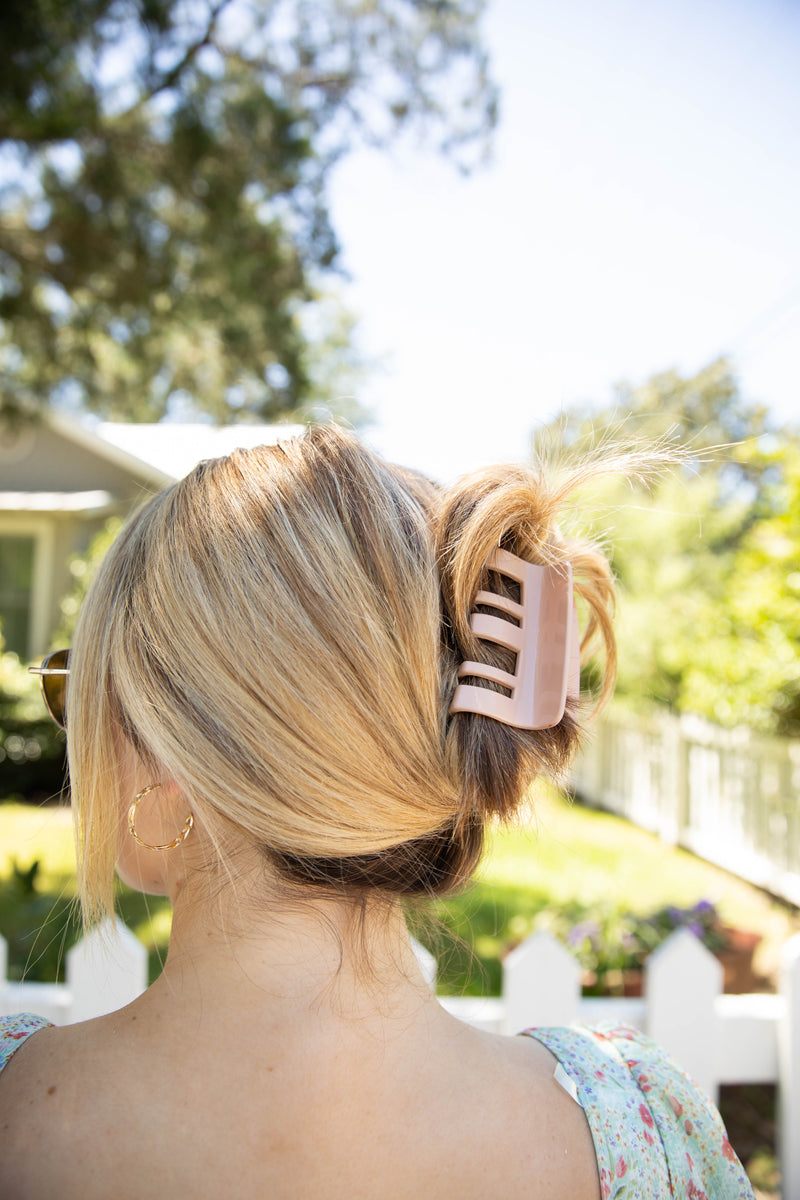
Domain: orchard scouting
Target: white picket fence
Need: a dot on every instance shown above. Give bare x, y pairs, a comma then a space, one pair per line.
729, 795
718, 1038
104, 971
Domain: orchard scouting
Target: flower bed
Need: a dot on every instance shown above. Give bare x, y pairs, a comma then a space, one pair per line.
612, 945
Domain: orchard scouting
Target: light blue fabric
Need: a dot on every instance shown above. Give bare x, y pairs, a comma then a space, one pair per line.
655, 1133
15, 1030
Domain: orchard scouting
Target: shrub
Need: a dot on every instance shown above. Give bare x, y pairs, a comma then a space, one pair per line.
32, 748
472, 931
610, 941
40, 921
38, 926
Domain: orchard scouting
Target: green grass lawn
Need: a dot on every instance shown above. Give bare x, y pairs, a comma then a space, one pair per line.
28, 833
564, 865
575, 853
559, 867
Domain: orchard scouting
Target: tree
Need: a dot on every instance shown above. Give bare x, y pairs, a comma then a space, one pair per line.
706, 557
744, 663
164, 231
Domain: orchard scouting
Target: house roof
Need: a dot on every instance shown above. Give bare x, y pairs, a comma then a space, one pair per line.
88, 439
53, 461
174, 449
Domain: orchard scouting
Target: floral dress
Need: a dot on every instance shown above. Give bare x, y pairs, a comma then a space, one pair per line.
655, 1133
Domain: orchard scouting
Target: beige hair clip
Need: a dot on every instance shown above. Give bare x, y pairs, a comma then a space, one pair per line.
546, 643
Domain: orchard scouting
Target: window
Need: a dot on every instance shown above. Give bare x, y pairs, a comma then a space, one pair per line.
16, 586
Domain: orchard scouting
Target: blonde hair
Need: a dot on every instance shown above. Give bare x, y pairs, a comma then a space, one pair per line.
280, 632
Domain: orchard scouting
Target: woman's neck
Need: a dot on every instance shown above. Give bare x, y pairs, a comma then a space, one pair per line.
291, 958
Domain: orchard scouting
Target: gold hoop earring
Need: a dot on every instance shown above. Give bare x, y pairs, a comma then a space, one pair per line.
132, 823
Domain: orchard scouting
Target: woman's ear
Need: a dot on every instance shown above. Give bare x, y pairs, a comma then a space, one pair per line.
155, 825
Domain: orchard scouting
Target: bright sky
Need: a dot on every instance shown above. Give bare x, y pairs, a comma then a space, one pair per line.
642, 212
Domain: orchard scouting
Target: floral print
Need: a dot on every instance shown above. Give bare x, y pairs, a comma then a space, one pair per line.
14, 1030
656, 1135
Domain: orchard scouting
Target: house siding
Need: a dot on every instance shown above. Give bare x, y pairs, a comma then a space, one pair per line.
47, 473
52, 463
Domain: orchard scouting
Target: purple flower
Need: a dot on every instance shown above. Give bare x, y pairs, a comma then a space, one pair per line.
583, 930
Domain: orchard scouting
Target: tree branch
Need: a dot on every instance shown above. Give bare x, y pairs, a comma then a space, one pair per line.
173, 75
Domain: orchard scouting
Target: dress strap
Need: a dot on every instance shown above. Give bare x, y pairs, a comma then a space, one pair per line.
15, 1030
567, 1082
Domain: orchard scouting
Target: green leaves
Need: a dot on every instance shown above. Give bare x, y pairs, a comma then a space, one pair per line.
708, 562
164, 224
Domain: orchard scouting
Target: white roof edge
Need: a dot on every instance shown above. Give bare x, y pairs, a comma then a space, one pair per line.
179, 447
287, 428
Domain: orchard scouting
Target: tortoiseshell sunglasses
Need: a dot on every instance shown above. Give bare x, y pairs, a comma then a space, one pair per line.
53, 677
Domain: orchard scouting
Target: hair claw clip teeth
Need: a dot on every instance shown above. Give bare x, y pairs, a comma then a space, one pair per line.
546, 643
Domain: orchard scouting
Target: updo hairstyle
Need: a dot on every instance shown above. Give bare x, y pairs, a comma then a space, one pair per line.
280, 632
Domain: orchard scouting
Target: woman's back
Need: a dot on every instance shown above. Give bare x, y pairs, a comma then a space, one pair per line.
136, 1105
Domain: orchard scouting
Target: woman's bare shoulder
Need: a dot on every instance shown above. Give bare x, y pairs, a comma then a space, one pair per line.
542, 1133
45, 1068
34, 1107
475, 1115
